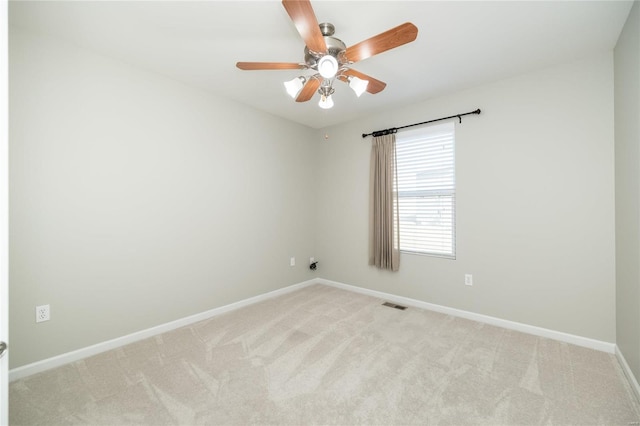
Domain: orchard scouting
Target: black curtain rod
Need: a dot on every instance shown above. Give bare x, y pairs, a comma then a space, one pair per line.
395, 129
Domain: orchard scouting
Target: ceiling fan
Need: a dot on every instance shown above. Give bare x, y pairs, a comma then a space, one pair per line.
329, 57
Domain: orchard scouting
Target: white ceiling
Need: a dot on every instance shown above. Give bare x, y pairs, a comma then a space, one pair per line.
459, 45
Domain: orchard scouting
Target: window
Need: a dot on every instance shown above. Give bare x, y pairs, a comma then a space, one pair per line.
426, 190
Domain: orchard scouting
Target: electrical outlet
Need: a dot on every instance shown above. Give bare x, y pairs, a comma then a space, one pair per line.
468, 279
311, 260
292, 261
43, 313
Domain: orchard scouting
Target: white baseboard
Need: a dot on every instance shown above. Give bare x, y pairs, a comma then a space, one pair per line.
46, 364
511, 325
627, 371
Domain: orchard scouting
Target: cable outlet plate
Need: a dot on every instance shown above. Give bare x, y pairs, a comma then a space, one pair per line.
43, 313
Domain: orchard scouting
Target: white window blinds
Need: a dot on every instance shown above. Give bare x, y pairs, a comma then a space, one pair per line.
426, 189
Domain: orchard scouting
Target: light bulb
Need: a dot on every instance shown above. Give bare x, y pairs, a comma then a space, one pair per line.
294, 86
358, 85
325, 102
327, 66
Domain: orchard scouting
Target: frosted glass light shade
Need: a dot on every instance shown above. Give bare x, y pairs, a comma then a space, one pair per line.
327, 66
358, 85
325, 102
294, 86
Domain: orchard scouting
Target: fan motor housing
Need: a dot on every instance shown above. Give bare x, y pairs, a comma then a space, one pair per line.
335, 47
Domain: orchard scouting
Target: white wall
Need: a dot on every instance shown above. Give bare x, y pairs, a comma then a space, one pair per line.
627, 161
535, 202
135, 200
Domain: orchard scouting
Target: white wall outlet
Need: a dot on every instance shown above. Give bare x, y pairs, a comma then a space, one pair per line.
43, 313
311, 260
468, 279
292, 261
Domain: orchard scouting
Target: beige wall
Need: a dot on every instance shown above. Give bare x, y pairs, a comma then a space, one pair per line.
135, 200
627, 161
535, 202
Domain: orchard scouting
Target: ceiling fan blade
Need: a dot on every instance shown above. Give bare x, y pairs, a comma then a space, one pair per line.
374, 86
309, 89
402, 34
304, 18
252, 66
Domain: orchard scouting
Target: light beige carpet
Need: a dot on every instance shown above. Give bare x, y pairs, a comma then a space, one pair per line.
326, 356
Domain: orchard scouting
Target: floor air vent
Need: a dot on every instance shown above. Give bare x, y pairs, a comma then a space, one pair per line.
393, 305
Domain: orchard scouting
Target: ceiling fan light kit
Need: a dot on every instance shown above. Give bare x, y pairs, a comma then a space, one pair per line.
358, 85
294, 86
330, 58
328, 66
326, 90
326, 102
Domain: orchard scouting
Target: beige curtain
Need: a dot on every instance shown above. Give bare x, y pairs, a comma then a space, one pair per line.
384, 242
